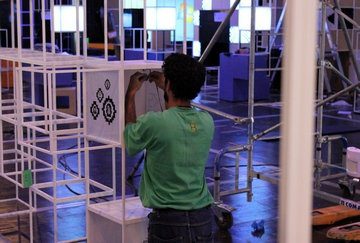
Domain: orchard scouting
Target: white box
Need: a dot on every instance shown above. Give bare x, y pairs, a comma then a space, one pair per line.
353, 161
105, 222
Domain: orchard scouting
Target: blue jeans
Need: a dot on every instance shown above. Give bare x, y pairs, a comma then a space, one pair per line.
170, 225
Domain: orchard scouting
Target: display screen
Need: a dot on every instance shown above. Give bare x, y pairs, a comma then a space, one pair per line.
65, 18
127, 20
160, 18
262, 18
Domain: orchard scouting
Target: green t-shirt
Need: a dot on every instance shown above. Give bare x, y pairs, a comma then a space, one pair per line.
177, 143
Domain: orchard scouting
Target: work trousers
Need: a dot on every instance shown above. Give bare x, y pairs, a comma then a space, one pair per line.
178, 226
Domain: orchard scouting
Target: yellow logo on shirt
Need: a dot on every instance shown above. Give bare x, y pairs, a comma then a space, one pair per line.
193, 127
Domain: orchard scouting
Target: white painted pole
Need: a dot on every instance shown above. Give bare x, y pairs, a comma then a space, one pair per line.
106, 42
123, 150
31, 9
12, 14
185, 29
19, 28
298, 122
121, 30
145, 32
77, 33
43, 27
85, 38
52, 29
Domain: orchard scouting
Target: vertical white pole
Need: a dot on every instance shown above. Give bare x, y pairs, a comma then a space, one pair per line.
77, 33
19, 27
78, 114
31, 215
185, 29
106, 47
31, 9
43, 27
85, 30
86, 146
123, 151
145, 32
50, 80
12, 14
52, 29
298, 122
113, 160
121, 30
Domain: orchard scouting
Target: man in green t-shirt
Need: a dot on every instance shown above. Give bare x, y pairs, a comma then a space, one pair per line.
177, 143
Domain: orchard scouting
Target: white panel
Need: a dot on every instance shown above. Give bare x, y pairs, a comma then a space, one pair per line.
65, 18
196, 18
243, 3
160, 18
134, 4
206, 5
102, 99
245, 36
262, 18
196, 49
234, 35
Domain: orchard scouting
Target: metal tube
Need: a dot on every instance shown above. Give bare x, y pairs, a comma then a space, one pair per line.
320, 96
278, 27
263, 133
347, 81
348, 41
251, 102
341, 92
231, 149
333, 49
236, 119
321, 103
219, 32
339, 12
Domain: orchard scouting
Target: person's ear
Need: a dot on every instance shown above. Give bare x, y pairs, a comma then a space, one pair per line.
167, 85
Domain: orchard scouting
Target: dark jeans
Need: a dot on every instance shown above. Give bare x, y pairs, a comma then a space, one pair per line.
169, 225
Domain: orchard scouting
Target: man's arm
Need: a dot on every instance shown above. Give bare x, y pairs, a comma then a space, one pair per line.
135, 84
130, 108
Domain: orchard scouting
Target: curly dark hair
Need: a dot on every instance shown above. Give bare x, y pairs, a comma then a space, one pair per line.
185, 74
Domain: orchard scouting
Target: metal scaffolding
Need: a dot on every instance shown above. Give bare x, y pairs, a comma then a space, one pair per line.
321, 100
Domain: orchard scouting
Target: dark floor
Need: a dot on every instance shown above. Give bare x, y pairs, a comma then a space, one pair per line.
264, 205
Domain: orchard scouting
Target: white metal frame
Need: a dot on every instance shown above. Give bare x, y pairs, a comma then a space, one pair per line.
38, 130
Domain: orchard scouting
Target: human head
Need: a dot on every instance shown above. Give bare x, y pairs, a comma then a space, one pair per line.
184, 74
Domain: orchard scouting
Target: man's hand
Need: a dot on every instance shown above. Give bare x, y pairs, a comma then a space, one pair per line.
136, 81
158, 78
